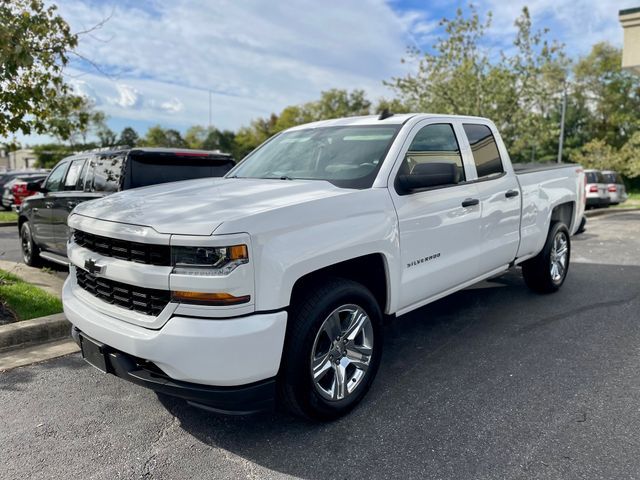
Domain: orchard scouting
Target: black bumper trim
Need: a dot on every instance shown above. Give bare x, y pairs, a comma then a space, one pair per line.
236, 400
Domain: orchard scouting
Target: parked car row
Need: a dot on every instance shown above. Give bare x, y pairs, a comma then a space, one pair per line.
42, 218
9, 179
604, 188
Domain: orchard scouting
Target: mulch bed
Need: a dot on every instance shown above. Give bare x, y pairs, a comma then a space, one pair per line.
6, 314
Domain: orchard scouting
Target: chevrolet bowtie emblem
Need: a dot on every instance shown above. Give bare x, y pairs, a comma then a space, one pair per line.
91, 266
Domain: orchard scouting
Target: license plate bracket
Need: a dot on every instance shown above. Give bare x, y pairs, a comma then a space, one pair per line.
93, 353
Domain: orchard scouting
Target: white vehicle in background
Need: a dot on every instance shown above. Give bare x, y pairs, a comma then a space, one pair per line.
615, 186
271, 284
597, 189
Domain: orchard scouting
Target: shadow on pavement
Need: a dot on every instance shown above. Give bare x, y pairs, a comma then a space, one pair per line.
478, 375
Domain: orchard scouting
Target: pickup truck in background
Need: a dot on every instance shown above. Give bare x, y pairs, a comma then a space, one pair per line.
270, 285
42, 220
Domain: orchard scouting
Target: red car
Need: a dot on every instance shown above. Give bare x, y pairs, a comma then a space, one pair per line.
20, 191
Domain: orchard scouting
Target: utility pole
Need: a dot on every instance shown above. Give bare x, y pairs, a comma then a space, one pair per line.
564, 109
209, 109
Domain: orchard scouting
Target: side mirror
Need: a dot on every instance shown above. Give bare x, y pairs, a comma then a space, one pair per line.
35, 186
426, 175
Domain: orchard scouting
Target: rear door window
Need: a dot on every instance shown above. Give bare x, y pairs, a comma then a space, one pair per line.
73, 175
591, 177
485, 150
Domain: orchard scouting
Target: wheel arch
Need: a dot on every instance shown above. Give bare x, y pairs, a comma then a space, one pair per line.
563, 212
370, 270
21, 220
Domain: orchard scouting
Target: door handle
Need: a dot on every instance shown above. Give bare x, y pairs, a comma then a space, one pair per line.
470, 202
512, 193
48, 204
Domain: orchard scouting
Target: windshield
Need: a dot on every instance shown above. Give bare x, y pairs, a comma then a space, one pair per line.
348, 157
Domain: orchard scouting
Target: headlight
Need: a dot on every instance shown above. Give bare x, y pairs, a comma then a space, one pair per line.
208, 260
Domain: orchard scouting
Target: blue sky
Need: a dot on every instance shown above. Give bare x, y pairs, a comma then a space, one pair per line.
158, 59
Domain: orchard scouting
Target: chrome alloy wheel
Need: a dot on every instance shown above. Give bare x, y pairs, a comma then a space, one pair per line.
559, 256
342, 352
25, 240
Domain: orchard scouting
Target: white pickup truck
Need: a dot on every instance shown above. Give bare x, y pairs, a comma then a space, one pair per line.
270, 285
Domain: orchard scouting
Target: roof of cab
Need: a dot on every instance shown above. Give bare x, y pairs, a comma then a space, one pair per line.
142, 150
370, 120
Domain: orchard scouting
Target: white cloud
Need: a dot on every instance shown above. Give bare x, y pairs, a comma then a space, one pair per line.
256, 57
172, 106
128, 96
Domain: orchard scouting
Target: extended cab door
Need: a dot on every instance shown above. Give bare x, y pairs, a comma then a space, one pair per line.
41, 212
499, 195
439, 226
64, 201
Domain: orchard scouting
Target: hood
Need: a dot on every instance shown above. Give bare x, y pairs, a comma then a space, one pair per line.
198, 207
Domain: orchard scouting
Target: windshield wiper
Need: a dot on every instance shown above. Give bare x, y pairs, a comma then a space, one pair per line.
281, 177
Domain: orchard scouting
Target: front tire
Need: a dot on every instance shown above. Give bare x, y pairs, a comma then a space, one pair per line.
546, 272
30, 251
333, 349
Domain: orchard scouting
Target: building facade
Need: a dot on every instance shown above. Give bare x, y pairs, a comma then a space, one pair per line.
630, 20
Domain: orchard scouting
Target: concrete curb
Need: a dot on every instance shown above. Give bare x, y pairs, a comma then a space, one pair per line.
34, 331
609, 211
46, 281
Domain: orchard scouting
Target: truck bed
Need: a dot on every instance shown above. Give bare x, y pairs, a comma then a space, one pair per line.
543, 187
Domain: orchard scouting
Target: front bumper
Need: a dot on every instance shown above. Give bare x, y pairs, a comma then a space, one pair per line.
240, 400
203, 353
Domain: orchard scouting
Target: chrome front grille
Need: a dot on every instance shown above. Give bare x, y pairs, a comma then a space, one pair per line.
144, 300
147, 253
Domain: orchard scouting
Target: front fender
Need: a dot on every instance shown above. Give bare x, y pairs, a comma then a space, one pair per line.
292, 242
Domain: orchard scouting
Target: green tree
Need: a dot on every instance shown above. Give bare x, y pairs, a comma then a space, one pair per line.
35, 43
106, 136
159, 137
196, 136
47, 155
612, 95
76, 120
223, 140
248, 138
332, 103
393, 105
129, 137
336, 103
597, 154
460, 76
630, 157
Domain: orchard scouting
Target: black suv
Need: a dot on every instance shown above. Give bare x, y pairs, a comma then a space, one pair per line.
86, 176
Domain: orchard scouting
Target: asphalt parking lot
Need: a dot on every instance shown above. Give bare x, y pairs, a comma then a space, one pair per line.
10, 250
492, 382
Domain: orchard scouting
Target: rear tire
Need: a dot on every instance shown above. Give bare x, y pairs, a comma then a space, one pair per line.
333, 349
30, 251
547, 271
